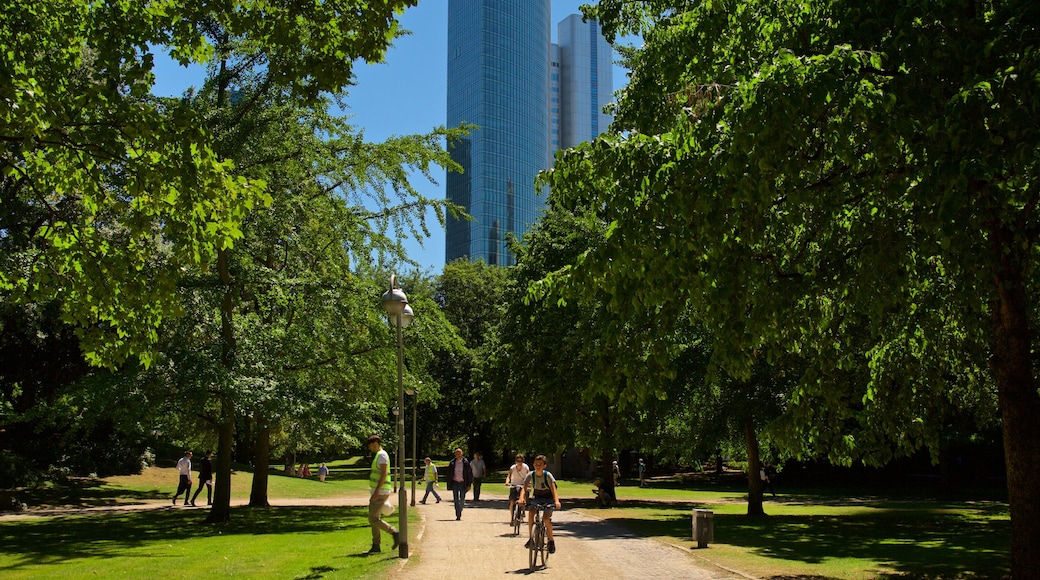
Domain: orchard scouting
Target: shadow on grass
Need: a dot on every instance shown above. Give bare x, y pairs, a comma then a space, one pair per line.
937, 541
86, 493
81, 536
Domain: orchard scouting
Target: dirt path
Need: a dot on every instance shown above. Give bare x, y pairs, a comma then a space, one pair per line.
482, 545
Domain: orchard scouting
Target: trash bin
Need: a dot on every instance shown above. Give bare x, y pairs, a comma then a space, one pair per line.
703, 527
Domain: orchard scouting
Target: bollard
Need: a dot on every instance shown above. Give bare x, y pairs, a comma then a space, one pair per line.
703, 527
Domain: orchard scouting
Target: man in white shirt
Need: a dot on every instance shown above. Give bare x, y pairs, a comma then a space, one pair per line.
479, 470
184, 469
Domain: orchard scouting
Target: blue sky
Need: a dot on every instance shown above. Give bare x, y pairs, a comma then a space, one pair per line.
405, 94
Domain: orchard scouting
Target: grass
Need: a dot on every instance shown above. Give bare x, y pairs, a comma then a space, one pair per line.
819, 534
298, 542
883, 539
280, 542
826, 533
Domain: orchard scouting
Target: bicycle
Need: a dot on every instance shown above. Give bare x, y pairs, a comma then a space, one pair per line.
518, 510
539, 550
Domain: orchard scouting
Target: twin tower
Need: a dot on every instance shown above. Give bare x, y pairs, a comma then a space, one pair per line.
529, 97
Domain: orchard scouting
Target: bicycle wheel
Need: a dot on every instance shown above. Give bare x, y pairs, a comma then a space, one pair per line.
540, 544
532, 554
518, 518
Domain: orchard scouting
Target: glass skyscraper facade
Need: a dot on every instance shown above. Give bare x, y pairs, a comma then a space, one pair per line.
586, 73
528, 98
498, 61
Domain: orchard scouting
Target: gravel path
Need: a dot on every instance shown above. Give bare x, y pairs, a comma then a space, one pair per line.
482, 545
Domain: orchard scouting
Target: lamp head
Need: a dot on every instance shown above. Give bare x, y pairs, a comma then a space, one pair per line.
394, 301
407, 316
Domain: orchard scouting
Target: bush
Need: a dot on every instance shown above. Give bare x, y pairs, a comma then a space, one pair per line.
17, 472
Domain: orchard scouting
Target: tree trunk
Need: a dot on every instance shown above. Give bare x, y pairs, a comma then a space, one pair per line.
1019, 405
261, 455
220, 513
754, 465
607, 495
244, 440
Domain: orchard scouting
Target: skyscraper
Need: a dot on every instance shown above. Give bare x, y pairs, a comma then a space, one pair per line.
505, 77
586, 73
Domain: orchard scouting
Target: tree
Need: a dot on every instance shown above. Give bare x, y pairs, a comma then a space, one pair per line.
298, 332
700, 410
469, 295
548, 377
267, 292
807, 171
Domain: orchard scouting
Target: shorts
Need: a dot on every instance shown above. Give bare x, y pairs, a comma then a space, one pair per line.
534, 502
514, 493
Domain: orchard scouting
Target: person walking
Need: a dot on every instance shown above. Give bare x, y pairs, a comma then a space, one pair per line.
205, 477
642, 473
460, 478
768, 474
430, 476
479, 471
379, 484
184, 471
323, 472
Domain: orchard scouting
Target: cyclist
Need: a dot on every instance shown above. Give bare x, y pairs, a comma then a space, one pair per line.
515, 480
543, 492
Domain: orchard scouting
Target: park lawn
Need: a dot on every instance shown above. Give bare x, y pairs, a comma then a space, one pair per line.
279, 542
296, 542
855, 539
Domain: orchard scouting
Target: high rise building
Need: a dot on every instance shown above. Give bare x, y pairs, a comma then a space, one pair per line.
586, 74
506, 77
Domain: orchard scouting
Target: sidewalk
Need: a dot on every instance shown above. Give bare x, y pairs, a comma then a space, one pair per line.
482, 545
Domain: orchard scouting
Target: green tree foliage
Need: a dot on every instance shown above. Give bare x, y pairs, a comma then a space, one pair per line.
288, 315
470, 296
95, 172
132, 212
851, 182
549, 373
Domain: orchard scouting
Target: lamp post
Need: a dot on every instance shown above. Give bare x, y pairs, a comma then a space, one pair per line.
414, 394
395, 302
396, 469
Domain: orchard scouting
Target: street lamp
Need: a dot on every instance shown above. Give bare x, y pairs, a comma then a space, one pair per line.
414, 394
395, 302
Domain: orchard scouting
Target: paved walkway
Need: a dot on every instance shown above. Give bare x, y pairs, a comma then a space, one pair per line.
482, 545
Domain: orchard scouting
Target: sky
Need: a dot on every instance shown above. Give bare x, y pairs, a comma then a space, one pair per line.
405, 94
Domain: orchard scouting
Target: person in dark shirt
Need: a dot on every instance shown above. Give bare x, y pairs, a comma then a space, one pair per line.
205, 478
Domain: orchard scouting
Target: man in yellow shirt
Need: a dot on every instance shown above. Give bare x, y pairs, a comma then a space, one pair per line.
379, 484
